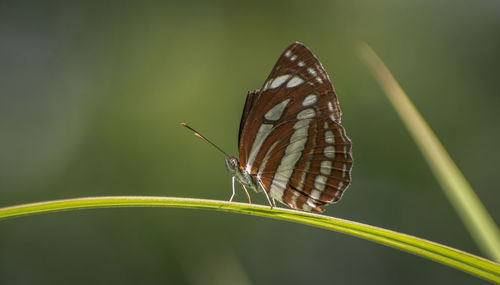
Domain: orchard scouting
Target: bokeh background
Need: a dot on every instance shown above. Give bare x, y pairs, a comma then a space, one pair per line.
92, 94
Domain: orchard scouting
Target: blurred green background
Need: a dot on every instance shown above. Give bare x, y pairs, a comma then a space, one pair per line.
92, 94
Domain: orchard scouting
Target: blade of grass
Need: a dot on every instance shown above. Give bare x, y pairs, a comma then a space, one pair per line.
474, 215
466, 262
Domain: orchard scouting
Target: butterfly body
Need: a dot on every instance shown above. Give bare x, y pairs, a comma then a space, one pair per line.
241, 175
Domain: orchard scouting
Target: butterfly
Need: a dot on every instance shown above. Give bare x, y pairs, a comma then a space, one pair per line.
292, 145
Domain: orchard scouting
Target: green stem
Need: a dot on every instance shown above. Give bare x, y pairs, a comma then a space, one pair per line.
467, 204
466, 262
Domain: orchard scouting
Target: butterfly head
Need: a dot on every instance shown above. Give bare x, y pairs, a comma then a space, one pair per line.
232, 165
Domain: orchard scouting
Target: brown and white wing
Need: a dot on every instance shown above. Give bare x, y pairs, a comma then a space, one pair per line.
312, 167
291, 128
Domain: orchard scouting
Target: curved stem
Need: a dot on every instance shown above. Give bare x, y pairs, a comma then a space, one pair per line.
466, 262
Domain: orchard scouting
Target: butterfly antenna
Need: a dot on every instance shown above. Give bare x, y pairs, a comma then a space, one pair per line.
196, 133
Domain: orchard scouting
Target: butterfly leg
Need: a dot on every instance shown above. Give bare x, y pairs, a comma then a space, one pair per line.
248, 195
267, 196
232, 196
274, 202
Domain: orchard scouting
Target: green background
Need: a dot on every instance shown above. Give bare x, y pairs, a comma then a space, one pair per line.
92, 94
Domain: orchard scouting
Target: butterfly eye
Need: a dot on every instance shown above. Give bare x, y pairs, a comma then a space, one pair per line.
232, 165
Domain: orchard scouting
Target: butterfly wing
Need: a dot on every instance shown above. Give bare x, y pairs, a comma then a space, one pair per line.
290, 134
311, 176
251, 96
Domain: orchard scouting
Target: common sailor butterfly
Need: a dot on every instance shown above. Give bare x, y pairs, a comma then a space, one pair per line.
292, 145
